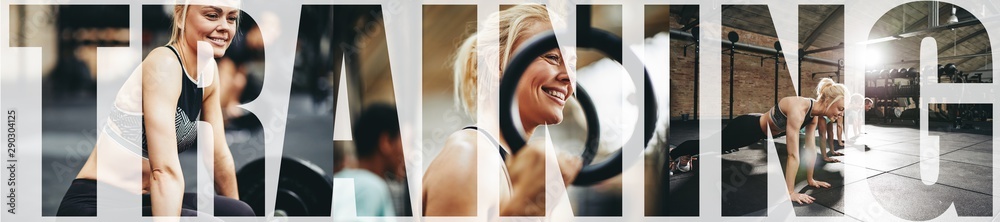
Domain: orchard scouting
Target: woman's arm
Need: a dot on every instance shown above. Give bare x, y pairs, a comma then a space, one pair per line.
161, 87
792, 137
795, 120
225, 172
810, 158
826, 142
824, 138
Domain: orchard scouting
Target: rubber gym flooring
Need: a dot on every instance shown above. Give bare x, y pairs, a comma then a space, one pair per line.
892, 170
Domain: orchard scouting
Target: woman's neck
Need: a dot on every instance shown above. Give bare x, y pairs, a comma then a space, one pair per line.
189, 58
815, 110
529, 129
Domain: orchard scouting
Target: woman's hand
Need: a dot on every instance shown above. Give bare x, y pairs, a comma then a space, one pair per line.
830, 160
569, 166
801, 198
818, 184
527, 175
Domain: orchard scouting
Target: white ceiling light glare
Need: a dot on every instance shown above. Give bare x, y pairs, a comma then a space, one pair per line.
873, 57
953, 18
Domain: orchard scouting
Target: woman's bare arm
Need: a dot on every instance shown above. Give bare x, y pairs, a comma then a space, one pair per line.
810, 156
224, 168
161, 87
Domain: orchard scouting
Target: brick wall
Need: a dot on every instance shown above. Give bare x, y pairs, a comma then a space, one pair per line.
754, 82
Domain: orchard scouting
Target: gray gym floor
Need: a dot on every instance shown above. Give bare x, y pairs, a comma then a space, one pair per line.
891, 169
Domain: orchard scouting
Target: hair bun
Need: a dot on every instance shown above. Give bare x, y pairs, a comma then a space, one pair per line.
823, 83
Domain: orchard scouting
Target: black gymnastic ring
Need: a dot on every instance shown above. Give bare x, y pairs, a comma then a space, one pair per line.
611, 46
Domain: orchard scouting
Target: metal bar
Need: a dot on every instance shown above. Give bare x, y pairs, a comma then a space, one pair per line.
777, 55
732, 62
824, 73
837, 14
697, 62
961, 40
984, 52
680, 35
933, 14
819, 50
925, 31
802, 55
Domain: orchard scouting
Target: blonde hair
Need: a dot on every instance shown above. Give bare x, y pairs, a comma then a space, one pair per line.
512, 24
180, 14
827, 89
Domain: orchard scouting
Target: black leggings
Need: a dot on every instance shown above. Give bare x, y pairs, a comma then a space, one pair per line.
742, 131
81, 200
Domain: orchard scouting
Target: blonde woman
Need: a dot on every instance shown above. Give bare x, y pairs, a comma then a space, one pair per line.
449, 183
156, 118
792, 114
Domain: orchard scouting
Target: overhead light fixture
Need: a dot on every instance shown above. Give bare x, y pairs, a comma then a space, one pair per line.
953, 19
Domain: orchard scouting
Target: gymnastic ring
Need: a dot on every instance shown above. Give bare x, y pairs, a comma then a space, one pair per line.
611, 46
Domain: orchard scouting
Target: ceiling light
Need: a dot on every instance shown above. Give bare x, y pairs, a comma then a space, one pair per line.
953, 19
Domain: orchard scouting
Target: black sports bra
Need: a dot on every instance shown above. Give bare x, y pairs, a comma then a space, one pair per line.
503, 152
126, 128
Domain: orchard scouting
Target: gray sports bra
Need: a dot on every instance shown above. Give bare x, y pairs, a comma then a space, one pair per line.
781, 119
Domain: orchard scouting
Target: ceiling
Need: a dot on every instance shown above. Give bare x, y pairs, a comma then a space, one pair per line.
822, 26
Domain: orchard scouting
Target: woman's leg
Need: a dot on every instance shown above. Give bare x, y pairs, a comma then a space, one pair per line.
229, 207
147, 211
740, 132
80, 199
224, 206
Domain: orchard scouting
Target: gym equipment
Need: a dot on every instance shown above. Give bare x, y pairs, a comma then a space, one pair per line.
587, 37
777, 55
303, 188
733, 37
697, 62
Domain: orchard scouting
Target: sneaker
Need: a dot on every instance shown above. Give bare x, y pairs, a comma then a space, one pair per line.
684, 164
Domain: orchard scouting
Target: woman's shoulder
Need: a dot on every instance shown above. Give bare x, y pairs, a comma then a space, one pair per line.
457, 159
162, 56
161, 66
795, 101
162, 59
461, 142
459, 151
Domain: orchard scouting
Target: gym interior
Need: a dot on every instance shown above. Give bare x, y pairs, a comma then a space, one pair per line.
355, 67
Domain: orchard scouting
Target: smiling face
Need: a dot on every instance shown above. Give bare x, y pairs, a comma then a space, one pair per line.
835, 109
545, 86
215, 25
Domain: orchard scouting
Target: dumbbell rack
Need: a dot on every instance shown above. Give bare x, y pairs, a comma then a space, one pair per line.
886, 87
963, 115
891, 89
